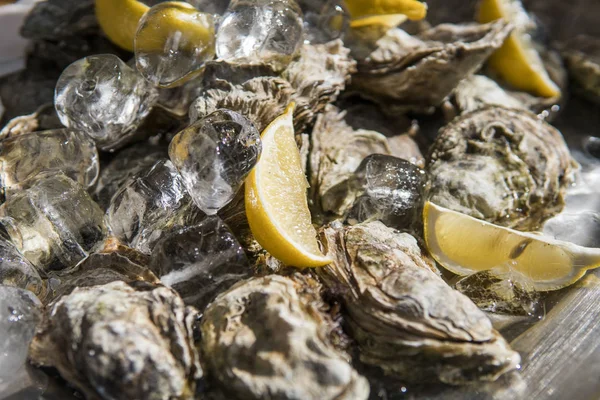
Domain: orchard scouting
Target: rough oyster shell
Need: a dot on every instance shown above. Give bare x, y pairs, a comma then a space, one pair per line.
265, 338
116, 342
312, 81
404, 317
336, 152
582, 57
418, 72
505, 166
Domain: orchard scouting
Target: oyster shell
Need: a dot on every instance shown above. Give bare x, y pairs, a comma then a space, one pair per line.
582, 57
336, 152
505, 166
312, 81
418, 72
266, 338
404, 317
118, 342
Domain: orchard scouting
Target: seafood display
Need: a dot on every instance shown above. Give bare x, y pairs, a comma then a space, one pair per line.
293, 199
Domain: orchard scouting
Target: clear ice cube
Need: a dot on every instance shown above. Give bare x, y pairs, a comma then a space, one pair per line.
390, 189
126, 164
53, 222
214, 155
216, 7
200, 261
19, 315
149, 205
103, 97
172, 43
324, 21
16, 270
260, 32
501, 291
62, 150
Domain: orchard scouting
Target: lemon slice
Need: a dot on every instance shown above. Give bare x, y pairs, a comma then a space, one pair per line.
517, 61
276, 203
413, 9
119, 20
465, 245
386, 21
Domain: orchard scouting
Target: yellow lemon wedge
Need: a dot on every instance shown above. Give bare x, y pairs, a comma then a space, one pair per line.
386, 21
413, 9
119, 20
276, 202
517, 61
465, 245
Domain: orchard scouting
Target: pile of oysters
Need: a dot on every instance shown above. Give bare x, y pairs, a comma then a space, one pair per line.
143, 296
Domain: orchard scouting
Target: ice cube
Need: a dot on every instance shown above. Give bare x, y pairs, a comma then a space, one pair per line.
103, 97
19, 315
392, 191
53, 222
24, 156
501, 291
324, 21
150, 205
260, 32
16, 270
214, 155
126, 164
216, 7
172, 43
200, 261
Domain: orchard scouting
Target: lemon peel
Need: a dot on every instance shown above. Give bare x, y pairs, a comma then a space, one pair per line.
517, 62
413, 9
386, 21
275, 198
465, 245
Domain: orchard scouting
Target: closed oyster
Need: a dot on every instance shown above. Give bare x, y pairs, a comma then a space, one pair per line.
418, 72
312, 81
117, 342
404, 317
582, 57
336, 152
266, 338
504, 166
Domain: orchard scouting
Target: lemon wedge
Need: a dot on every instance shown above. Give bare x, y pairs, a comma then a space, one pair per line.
119, 20
413, 9
386, 21
517, 61
465, 245
276, 202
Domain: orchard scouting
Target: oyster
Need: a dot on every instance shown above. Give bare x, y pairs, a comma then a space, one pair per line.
504, 166
336, 152
118, 342
312, 81
266, 338
404, 317
582, 57
418, 72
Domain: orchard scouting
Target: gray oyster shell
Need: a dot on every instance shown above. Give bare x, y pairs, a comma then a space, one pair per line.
312, 81
116, 342
582, 57
265, 338
336, 152
505, 166
404, 317
418, 72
